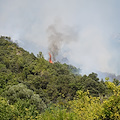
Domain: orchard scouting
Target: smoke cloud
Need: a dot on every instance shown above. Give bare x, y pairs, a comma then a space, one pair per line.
59, 35
95, 46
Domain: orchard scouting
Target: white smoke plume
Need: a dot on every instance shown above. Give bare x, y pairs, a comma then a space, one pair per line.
98, 42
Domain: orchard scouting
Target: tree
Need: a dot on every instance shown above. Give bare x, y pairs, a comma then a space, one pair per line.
116, 82
40, 55
21, 92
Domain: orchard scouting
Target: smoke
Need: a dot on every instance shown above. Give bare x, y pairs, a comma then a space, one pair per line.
60, 35
96, 46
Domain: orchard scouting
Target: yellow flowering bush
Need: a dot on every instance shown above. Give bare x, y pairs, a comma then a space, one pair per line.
111, 107
85, 107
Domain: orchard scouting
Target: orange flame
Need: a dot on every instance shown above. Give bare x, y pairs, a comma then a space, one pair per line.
50, 61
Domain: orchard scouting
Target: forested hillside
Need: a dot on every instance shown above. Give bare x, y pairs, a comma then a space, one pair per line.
32, 88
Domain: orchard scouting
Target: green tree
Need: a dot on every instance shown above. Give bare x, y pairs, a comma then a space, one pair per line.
21, 92
116, 82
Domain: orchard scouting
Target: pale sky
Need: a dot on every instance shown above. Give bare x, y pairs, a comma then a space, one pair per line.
97, 40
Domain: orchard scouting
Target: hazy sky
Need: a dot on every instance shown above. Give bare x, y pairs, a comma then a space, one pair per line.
96, 24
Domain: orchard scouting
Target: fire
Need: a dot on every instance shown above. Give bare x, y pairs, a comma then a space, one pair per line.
50, 61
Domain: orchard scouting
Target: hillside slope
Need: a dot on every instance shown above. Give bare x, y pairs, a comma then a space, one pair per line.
52, 80
30, 84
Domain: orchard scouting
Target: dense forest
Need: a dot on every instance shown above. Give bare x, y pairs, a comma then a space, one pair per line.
31, 88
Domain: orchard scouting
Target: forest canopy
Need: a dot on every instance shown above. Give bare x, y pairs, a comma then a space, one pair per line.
32, 88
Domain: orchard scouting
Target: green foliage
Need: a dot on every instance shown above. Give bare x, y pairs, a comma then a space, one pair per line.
32, 88
85, 107
22, 110
57, 113
116, 82
25, 110
20, 92
5, 110
111, 107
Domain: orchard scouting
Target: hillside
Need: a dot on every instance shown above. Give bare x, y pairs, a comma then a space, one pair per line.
31, 85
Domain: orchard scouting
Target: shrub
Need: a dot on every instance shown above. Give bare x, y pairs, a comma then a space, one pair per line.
21, 92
